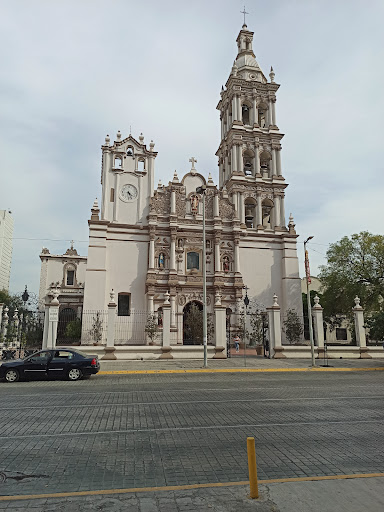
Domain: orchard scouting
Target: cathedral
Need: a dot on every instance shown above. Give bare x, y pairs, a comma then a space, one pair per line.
146, 243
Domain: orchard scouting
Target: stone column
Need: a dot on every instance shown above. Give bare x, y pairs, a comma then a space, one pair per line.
240, 166
255, 111
226, 167
115, 204
278, 161
358, 313
239, 112
173, 202
53, 320
241, 207
273, 162
235, 203
1, 313
270, 113
277, 215
106, 185
46, 323
257, 161
4, 327
282, 212
150, 303
173, 310
217, 255
151, 258
317, 313
234, 108
166, 344
172, 263
237, 255
220, 329
272, 104
227, 119
259, 211
275, 346
216, 207
109, 349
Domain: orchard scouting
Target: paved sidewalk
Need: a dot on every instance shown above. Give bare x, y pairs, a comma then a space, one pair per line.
352, 495
239, 363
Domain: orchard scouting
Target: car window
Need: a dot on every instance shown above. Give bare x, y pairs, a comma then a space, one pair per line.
40, 357
61, 355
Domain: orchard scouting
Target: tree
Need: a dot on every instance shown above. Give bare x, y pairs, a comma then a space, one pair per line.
73, 329
256, 334
375, 324
293, 327
194, 325
152, 327
96, 331
355, 266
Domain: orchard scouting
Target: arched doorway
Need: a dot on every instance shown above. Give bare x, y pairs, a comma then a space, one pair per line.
193, 323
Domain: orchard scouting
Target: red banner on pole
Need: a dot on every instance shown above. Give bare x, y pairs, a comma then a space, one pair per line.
307, 271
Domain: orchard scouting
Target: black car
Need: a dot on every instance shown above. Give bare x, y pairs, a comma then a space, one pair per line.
58, 363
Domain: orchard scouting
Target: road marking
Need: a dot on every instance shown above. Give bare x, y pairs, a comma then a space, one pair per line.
186, 487
236, 370
190, 390
193, 427
171, 402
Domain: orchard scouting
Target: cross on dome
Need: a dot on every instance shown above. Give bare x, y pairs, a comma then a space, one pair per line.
244, 12
193, 162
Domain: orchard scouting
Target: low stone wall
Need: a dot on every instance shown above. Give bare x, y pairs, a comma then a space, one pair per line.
149, 352
347, 352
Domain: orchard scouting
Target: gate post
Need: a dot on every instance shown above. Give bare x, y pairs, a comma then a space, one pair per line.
358, 313
220, 328
5, 323
110, 346
317, 314
166, 343
274, 325
15, 319
53, 320
1, 314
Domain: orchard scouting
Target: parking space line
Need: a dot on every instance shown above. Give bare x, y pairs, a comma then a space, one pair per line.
185, 487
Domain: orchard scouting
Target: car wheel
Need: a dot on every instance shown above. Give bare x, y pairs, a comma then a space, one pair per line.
74, 374
12, 375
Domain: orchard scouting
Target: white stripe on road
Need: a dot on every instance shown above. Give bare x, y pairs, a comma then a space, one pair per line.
178, 429
171, 402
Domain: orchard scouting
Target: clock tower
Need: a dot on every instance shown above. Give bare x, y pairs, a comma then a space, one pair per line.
127, 179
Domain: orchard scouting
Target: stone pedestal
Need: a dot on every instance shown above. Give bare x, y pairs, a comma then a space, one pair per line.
166, 342
361, 341
220, 332
274, 327
110, 346
317, 313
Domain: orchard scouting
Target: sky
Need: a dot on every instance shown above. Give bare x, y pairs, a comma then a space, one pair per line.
72, 72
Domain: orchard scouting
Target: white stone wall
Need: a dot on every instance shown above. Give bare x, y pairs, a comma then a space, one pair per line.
6, 246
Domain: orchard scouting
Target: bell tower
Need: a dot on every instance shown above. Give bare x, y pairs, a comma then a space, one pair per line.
249, 151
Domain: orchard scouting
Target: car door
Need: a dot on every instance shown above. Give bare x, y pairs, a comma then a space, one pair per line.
58, 365
35, 366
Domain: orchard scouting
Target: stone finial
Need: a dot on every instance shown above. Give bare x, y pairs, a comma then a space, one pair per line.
357, 303
44, 250
141, 138
234, 69
272, 75
210, 180
275, 304
16, 315
151, 145
218, 298
95, 210
317, 305
160, 185
291, 225
112, 296
166, 298
118, 135
5, 314
107, 140
55, 292
222, 91
175, 177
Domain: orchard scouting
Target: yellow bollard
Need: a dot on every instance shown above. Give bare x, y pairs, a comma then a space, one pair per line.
252, 468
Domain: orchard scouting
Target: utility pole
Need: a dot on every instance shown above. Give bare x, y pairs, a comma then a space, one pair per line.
308, 280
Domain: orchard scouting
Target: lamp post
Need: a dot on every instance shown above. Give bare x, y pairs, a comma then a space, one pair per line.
308, 280
202, 190
246, 303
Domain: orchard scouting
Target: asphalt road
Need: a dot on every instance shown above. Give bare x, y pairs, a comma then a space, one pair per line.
122, 431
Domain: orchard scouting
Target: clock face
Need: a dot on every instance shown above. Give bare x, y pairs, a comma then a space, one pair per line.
128, 193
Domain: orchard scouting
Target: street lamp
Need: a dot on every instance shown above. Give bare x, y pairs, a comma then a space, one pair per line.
202, 190
246, 304
308, 278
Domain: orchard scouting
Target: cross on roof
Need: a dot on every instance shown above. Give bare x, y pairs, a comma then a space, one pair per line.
244, 12
71, 244
193, 162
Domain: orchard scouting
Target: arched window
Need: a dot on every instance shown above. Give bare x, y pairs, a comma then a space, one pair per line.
266, 207
248, 159
141, 166
193, 260
265, 164
69, 278
250, 212
117, 162
262, 116
245, 113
